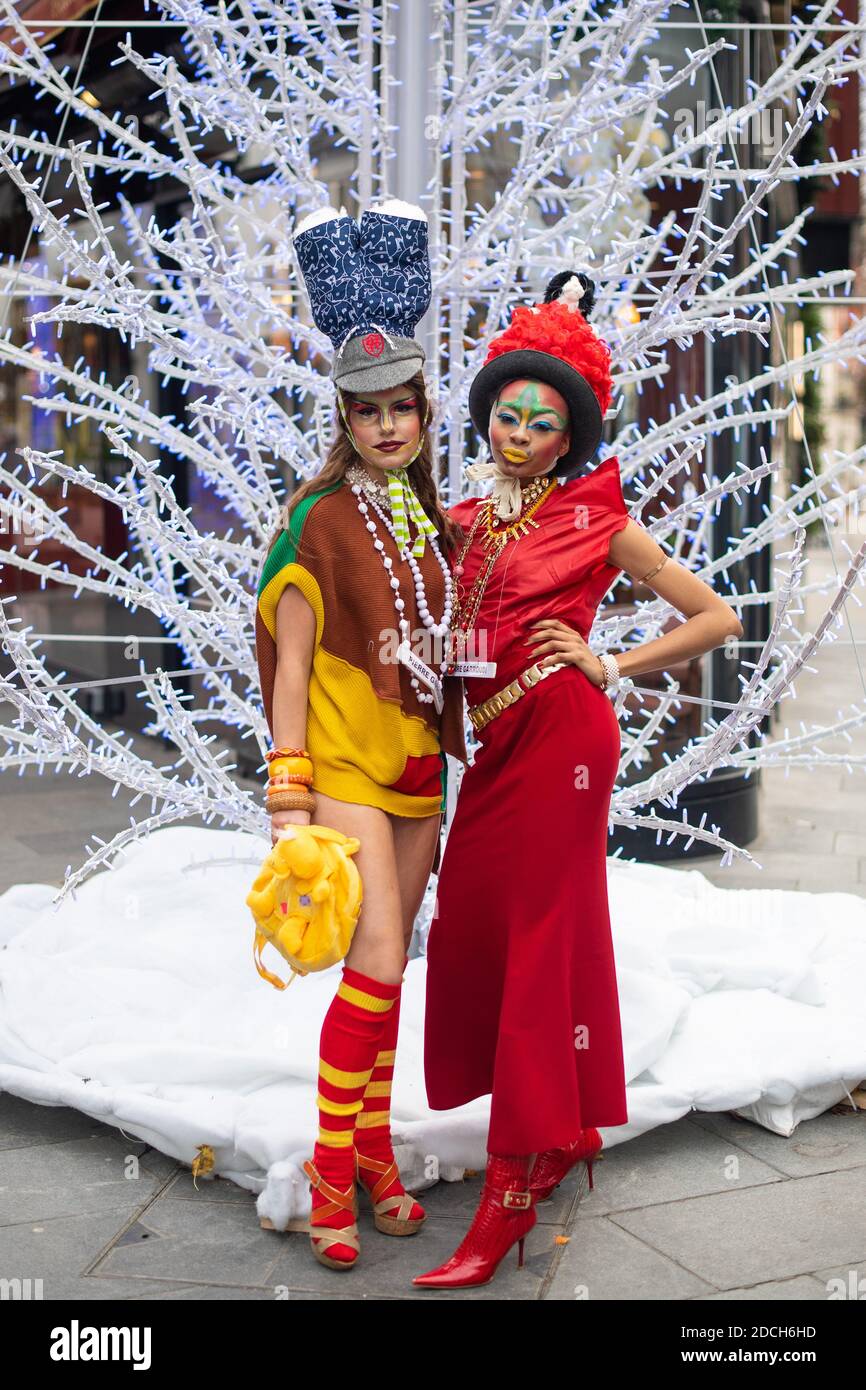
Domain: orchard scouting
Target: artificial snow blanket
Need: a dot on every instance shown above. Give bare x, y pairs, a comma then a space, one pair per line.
138, 1003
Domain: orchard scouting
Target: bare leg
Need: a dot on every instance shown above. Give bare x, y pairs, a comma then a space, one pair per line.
377, 945
415, 849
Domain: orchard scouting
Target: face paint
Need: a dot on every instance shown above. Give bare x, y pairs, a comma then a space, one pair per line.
371, 421
528, 427
389, 412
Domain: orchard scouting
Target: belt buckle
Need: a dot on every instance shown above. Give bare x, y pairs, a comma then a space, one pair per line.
521, 1200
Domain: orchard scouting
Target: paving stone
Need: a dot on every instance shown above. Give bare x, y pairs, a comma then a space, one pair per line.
795, 833
667, 1164
825, 1144
209, 1293
218, 1243
753, 1235
73, 1177
780, 809
830, 873
210, 1189
798, 786
61, 1251
603, 1261
731, 879
70, 842
22, 1123
804, 1288
843, 1282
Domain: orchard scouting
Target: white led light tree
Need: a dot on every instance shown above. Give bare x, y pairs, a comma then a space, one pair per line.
276, 78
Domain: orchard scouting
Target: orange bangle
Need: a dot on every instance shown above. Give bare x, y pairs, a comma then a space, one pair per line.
287, 778
286, 753
290, 765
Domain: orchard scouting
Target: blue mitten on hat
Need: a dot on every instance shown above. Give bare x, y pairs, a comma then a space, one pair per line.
368, 288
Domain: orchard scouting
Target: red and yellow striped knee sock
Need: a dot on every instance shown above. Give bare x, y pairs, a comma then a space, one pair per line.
350, 1040
373, 1125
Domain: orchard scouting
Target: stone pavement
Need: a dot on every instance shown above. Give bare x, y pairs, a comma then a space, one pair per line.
665, 1220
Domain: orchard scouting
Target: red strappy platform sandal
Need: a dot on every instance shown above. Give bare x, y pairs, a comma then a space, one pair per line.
393, 1213
322, 1236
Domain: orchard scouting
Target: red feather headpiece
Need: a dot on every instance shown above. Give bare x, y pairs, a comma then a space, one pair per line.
563, 331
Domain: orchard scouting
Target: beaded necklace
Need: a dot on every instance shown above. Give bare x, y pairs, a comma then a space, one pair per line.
495, 539
363, 486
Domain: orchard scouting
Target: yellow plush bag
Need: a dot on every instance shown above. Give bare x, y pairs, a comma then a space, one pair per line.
306, 900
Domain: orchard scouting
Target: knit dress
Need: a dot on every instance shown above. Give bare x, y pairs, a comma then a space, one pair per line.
522, 998
371, 740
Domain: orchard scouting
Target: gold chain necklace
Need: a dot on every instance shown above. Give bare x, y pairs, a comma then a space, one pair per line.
495, 539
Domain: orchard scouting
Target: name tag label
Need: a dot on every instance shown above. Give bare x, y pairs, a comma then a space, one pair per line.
482, 669
419, 668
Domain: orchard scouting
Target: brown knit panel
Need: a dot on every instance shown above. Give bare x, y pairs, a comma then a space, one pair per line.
452, 735
358, 599
337, 549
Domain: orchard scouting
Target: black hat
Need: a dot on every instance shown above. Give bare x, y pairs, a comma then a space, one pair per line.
552, 342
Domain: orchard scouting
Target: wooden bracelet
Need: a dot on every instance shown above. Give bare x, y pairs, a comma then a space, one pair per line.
290, 801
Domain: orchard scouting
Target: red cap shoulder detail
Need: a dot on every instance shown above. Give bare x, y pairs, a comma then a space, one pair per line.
602, 486
611, 482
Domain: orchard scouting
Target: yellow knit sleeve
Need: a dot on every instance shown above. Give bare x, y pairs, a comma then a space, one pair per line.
272, 591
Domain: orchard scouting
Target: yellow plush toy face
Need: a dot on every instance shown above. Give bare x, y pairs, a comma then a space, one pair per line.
307, 899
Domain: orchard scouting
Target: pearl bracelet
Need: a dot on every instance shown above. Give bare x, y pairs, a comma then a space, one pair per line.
611, 671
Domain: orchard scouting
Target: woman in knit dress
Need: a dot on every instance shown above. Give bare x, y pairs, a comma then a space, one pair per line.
357, 572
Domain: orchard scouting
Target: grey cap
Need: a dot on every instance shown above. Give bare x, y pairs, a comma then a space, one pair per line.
372, 362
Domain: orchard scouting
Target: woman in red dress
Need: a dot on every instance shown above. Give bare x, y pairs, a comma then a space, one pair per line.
522, 999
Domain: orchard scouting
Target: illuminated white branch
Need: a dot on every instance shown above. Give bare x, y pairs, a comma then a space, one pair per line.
215, 303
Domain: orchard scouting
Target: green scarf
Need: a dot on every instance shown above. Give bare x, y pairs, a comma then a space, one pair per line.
402, 497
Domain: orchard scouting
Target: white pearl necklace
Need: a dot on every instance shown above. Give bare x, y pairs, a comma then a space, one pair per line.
440, 629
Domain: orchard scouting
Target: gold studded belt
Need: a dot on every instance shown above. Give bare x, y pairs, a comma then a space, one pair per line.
495, 704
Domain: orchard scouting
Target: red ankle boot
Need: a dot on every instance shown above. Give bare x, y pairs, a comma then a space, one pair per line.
505, 1214
552, 1165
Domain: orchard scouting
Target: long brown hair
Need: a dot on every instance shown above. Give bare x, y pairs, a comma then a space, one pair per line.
420, 470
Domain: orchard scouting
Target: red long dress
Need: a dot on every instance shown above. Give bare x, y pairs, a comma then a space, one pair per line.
522, 998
